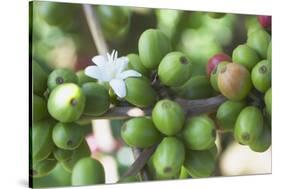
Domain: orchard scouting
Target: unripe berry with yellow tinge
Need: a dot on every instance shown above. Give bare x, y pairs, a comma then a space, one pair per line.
234, 81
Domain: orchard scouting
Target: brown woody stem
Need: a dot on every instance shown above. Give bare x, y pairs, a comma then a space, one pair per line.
191, 108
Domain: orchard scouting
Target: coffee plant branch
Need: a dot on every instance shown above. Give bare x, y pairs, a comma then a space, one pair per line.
191, 108
142, 173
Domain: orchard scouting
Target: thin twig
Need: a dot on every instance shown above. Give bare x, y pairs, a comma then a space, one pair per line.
191, 108
143, 176
95, 29
201, 106
140, 160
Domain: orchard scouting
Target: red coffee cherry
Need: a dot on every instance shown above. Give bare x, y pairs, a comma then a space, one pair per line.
215, 60
265, 22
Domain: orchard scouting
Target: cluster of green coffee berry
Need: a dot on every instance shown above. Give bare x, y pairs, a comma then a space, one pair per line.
184, 144
187, 145
247, 84
59, 99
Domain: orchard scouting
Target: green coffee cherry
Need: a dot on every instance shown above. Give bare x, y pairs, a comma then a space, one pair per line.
215, 73
136, 64
67, 136
228, 112
249, 125
87, 171
168, 158
268, 100
66, 102
97, 99
139, 92
80, 152
174, 69
183, 173
62, 155
39, 79
263, 141
197, 87
83, 78
153, 46
245, 55
200, 163
140, 132
42, 143
259, 41
261, 76
39, 108
44, 167
60, 76
199, 133
168, 117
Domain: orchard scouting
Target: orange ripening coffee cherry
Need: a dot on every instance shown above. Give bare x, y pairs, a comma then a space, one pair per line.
234, 81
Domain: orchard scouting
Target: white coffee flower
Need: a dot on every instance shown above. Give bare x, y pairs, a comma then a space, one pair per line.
110, 69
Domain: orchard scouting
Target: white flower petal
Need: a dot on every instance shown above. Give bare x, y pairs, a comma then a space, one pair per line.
119, 87
99, 60
121, 64
94, 72
106, 67
128, 73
